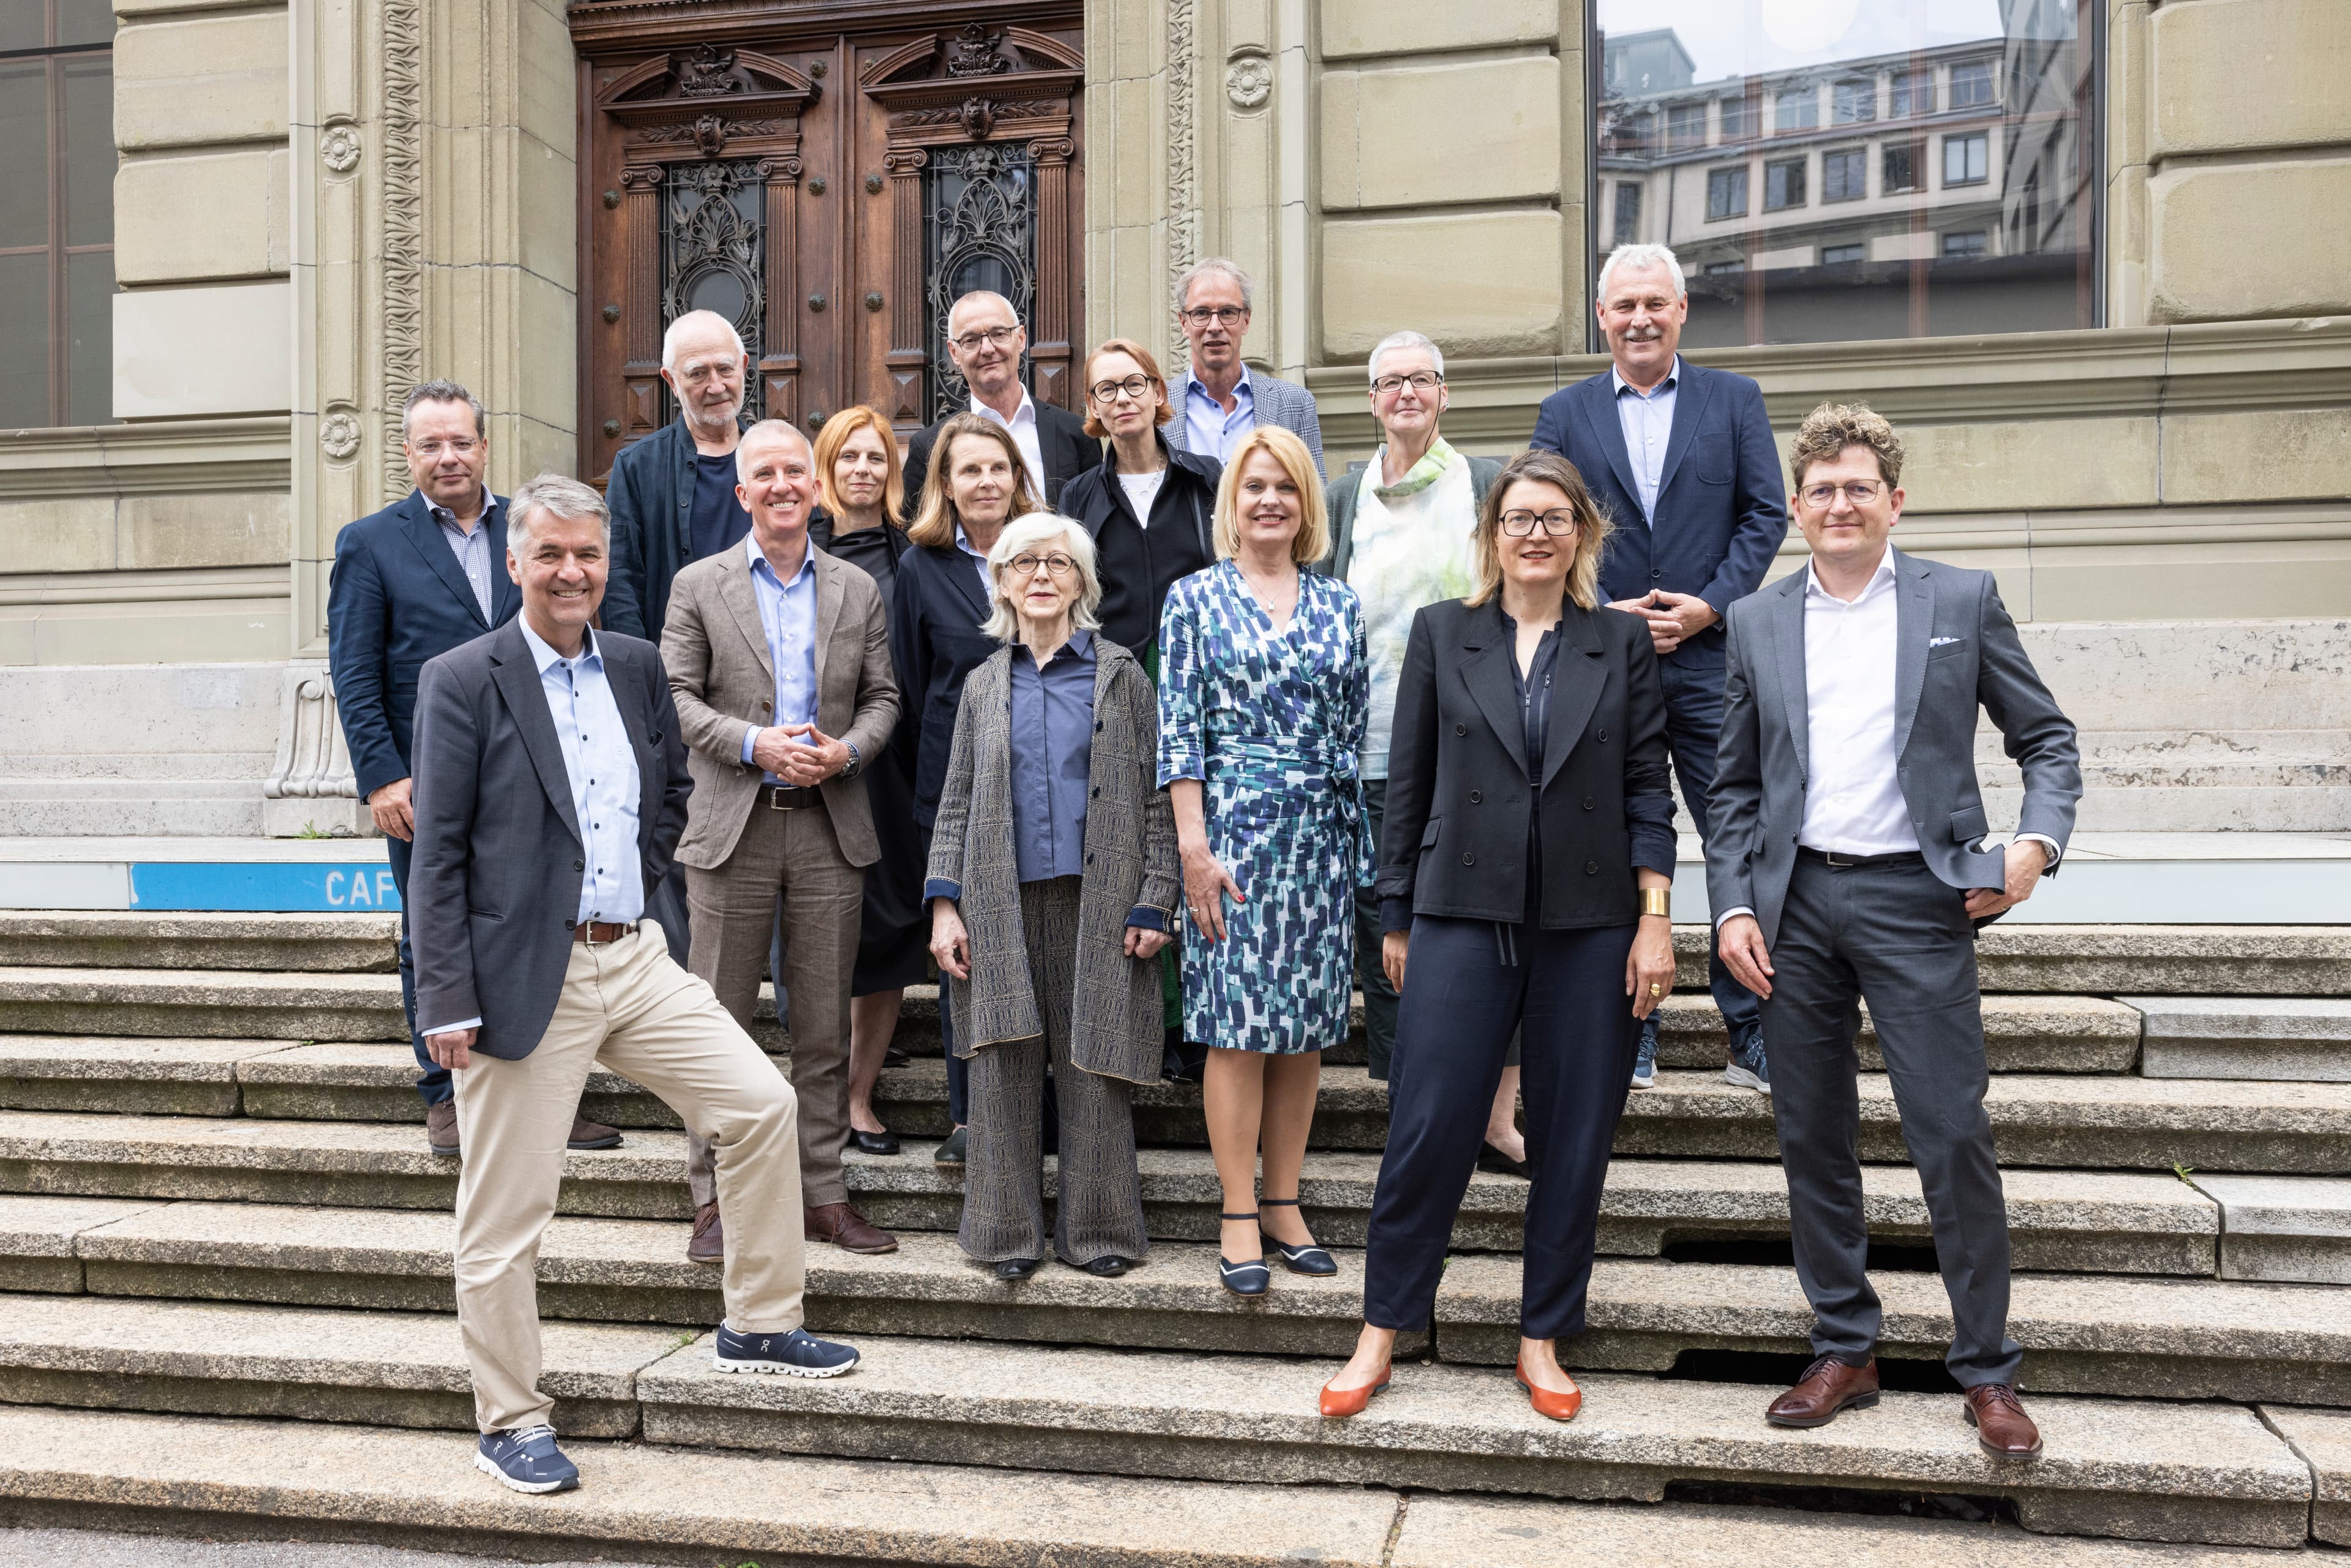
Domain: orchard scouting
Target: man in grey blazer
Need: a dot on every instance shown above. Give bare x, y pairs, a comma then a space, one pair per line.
1845, 863
1218, 399
774, 649
550, 790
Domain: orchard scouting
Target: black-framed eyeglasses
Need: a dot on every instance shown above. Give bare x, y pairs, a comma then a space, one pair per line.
996, 336
1201, 314
1521, 524
1026, 563
1134, 387
1422, 382
1860, 492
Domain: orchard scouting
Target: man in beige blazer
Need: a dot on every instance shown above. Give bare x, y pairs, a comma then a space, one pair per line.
780, 660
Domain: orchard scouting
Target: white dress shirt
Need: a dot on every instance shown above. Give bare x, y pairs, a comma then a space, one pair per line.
1023, 426
1648, 420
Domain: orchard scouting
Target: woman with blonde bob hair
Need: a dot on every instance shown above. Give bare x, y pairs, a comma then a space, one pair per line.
1053, 876
1264, 695
976, 483
1525, 869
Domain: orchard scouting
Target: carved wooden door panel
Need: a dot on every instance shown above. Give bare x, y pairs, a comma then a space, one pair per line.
828, 174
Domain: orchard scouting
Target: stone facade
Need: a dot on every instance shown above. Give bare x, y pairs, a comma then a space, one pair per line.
322, 200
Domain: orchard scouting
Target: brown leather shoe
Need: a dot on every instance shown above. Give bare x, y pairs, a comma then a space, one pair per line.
847, 1230
441, 1127
588, 1134
2001, 1426
708, 1242
1827, 1386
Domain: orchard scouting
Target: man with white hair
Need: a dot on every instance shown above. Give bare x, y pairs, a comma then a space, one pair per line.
1681, 458
1219, 399
986, 340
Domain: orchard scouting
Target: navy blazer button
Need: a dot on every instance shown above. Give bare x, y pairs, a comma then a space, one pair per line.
1588, 802
572, 925
1475, 797
1460, 729
1603, 738
579, 865
1657, 574
1468, 859
1591, 868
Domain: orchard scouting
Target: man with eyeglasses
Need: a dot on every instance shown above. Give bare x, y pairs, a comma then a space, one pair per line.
1846, 866
1220, 399
986, 340
423, 576
1681, 459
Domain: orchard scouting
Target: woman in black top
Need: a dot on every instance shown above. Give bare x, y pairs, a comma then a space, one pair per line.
1525, 867
858, 476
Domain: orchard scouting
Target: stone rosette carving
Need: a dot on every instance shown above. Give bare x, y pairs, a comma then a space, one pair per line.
1248, 80
339, 436
340, 147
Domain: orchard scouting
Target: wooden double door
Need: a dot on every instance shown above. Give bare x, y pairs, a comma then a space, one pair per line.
829, 176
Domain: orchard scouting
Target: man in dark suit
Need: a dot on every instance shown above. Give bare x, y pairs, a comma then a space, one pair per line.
1845, 866
986, 340
551, 788
1680, 457
411, 582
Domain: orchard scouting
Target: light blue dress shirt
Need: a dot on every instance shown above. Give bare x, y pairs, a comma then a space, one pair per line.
472, 549
1208, 427
788, 615
1647, 419
603, 768
986, 579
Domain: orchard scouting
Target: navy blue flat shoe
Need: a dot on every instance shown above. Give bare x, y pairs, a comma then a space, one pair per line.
1250, 1279
1307, 1259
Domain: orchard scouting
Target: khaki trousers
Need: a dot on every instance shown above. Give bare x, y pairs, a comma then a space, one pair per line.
733, 915
627, 1005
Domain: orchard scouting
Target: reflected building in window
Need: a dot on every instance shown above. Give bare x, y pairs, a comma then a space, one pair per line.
1946, 189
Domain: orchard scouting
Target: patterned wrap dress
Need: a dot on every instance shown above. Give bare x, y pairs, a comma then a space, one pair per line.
1270, 722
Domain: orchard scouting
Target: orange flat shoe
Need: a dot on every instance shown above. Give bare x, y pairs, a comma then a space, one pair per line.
1558, 1406
1338, 1402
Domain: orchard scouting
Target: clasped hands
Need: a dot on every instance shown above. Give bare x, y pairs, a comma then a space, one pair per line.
800, 754
1673, 618
951, 943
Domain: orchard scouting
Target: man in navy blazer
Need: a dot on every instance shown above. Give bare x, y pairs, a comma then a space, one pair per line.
1681, 459
424, 575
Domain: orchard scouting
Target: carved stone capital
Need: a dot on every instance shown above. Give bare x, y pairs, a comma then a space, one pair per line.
904, 160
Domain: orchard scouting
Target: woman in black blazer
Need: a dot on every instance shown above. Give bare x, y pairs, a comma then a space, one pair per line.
1525, 867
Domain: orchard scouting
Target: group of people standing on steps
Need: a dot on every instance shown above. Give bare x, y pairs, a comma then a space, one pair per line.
1152, 741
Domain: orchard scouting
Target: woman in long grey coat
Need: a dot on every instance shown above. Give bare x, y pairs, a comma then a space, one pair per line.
1052, 888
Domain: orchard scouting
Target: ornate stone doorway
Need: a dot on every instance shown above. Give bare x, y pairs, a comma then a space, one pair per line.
829, 174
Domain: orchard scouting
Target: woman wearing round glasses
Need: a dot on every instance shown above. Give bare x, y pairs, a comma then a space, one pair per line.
1052, 889
1525, 869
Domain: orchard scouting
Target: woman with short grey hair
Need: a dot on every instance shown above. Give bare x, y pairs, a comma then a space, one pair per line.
1052, 889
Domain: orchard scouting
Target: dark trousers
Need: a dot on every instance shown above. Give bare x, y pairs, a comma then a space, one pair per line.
432, 1081
1693, 732
1468, 984
1895, 935
1379, 996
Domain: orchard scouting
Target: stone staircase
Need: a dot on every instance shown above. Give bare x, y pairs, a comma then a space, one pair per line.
224, 1256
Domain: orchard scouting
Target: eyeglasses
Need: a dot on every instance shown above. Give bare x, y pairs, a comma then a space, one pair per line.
460, 448
1134, 387
1026, 563
1229, 315
1422, 382
1860, 492
996, 337
1521, 524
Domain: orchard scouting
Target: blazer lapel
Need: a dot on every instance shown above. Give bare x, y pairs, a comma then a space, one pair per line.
652, 772
960, 573
517, 680
505, 598
1914, 623
682, 472
743, 604
425, 533
1579, 675
1599, 408
828, 610
1486, 670
1787, 621
1689, 408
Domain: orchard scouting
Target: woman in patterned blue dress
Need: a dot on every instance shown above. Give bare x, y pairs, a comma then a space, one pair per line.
1263, 695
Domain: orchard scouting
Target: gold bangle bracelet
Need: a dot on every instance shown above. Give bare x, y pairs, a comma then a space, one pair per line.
1657, 901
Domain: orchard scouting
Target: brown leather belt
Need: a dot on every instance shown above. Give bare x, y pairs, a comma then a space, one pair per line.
596, 932
792, 798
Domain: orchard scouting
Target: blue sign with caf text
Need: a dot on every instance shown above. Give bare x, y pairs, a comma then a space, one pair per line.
290, 887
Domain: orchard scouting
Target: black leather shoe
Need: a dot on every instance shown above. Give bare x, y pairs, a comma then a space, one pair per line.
950, 1151
884, 1142
893, 1057
1491, 1158
1108, 1267
1019, 1268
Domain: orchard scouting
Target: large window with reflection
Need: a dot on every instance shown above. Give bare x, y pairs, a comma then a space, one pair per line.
1920, 168
56, 212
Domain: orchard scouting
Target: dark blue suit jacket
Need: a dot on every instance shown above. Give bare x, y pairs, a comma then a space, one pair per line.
397, 598
1722, 509
935, 643
651, 493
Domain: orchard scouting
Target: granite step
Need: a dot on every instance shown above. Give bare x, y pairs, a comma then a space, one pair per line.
386, 1369
2171, 1339
2075, 1220
112, 939
2103, 1333
2306, 1039
2323, 1438
134, 1075
2283, 1228
2141, 1469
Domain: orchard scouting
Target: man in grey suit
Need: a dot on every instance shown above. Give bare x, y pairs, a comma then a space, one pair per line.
1845, 863
1218, 399
550, 792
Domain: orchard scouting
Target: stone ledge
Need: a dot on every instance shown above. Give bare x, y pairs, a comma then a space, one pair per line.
2284, 1228
107, 939
2302, 1038
2323, 1438
36, 1237
142, 1075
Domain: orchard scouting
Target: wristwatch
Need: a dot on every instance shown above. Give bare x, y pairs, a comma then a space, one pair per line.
855, 761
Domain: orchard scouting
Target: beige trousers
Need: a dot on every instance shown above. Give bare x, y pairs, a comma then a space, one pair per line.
627, 1005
